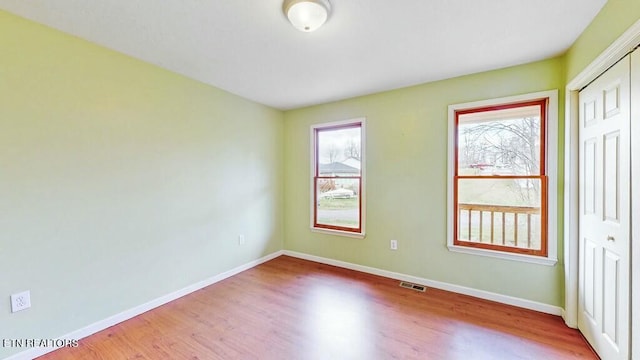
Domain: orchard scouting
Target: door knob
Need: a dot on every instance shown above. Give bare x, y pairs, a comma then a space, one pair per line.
611, 238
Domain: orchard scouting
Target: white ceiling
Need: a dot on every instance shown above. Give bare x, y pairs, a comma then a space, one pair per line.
248, 48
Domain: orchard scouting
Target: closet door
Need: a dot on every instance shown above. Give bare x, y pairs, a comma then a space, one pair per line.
604, 270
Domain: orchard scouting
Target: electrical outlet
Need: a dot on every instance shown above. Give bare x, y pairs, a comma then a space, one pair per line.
241, 240
394, 244
20, 301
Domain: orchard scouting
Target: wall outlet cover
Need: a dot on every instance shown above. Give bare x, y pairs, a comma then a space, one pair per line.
20, 301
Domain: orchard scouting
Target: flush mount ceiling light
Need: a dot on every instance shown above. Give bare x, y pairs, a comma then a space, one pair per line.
307, 15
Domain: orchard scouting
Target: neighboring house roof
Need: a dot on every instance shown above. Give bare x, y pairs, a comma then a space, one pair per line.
353, 162
337, 168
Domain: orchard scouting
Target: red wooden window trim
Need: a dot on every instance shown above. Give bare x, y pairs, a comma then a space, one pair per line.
542, 176
316, 177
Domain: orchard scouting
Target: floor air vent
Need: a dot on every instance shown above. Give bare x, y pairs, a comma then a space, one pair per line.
412, 286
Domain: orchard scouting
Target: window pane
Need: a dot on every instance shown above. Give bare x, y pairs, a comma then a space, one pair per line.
339, 152
500, 212
500, 142
338, 202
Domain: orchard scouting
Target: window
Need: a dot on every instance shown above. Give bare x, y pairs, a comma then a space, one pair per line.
499, 159
338, 177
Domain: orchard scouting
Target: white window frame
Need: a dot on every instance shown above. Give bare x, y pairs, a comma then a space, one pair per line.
552, 174
363, 162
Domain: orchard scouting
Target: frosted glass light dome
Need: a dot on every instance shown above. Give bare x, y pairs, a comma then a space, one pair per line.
307, 15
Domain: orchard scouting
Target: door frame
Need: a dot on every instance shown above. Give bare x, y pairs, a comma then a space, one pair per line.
617, 50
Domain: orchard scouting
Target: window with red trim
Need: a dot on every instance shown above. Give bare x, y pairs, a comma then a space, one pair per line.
338, 177
500, 178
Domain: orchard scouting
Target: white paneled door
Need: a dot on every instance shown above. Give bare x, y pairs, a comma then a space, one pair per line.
604, 277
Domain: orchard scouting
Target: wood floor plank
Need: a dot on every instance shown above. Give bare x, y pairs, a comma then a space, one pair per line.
290, 308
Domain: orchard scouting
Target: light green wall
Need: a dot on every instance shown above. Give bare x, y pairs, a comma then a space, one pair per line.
613, 20
121, 182
406, 186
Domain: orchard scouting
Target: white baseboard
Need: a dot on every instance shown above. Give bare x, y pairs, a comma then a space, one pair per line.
128, 314
504, 299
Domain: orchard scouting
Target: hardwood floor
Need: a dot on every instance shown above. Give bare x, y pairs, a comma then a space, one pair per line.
289, 308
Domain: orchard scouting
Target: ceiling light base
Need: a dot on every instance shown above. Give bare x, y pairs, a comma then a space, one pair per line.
307, 15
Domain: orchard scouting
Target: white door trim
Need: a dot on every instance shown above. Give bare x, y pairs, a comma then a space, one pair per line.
635, 206
617, 50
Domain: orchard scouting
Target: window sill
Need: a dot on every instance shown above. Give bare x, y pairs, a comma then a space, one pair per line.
338, 233
548, 261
